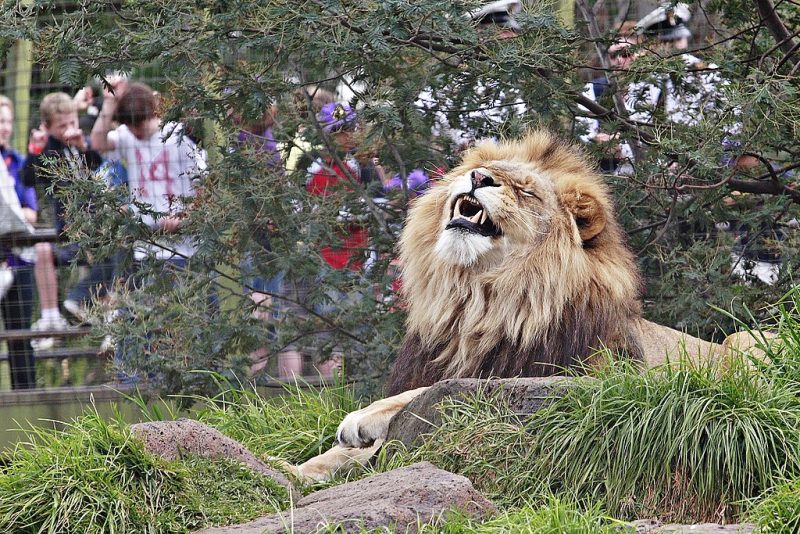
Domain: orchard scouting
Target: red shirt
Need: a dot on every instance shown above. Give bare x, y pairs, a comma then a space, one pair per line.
349, 251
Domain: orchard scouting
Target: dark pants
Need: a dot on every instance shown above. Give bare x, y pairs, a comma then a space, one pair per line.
17, 307
96, 284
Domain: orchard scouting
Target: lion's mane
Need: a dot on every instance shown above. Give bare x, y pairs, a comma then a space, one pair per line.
540, 305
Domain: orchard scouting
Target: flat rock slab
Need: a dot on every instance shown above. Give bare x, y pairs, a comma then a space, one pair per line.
173, 439
401, 498
652, 526
523, 395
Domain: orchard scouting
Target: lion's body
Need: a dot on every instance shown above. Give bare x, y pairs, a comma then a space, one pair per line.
514, 265
544, 298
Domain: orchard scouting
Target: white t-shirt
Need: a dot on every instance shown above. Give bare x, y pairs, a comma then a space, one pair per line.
161, 170
489, 106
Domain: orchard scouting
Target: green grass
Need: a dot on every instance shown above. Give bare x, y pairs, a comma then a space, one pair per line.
295, 426
229, 492
778, 512
95, 477
682, 445
91, 477
554, 516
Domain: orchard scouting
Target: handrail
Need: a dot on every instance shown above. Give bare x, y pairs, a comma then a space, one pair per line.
72, 331
21, 239
60, 353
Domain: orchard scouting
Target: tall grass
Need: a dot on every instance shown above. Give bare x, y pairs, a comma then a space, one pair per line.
295, 426
682, 444
91, 477
94, 476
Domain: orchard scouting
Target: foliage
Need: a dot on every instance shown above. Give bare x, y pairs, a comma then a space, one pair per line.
683, 444
779, 510
215, 63
295, 426
95, 477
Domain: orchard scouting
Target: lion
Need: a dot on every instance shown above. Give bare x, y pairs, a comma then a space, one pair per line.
513, 265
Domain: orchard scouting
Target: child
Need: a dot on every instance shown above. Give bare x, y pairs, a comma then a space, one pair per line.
161, 162
65, 146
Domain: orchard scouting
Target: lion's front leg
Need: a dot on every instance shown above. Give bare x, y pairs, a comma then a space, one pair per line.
335, 459
363, 427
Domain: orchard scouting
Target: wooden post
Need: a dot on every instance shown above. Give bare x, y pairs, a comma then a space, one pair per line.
18, 89
566, 12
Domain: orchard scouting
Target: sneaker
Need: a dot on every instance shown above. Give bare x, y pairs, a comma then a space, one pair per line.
108, 346
47, 343
77, 310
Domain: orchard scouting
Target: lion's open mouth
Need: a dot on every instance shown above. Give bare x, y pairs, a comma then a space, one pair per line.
467, 214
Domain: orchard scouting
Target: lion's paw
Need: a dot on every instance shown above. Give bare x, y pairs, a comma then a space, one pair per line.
363, 427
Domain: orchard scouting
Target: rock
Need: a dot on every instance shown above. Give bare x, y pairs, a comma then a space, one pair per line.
173, 439
653, 526
524, 396
399, 498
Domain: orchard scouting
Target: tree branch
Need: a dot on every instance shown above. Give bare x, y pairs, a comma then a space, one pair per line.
776, 27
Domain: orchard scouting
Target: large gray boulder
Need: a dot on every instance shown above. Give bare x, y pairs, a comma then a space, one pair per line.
401, 498
174, 439
523, 395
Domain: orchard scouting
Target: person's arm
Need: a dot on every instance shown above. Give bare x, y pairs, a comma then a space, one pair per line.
99, 136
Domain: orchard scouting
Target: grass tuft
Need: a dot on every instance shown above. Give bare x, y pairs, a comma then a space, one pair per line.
90, 477
228, 492
94, 476
295, 426
553, 516
680, 444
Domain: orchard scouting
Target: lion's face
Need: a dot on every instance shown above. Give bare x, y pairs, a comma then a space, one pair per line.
492, 208
513, 264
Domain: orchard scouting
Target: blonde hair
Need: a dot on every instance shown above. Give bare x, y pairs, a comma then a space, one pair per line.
56, 104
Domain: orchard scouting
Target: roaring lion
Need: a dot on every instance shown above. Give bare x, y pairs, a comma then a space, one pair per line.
513, 265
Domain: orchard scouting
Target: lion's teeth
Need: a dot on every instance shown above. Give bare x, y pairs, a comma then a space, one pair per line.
483, 217
477, 217
457, 210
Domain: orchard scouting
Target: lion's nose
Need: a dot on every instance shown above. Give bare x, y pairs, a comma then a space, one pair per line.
482, 180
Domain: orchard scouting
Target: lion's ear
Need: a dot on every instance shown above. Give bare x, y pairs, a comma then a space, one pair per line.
588, 213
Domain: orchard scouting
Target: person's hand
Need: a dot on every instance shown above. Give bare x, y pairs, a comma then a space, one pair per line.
118, 85
74, 137
602, 137
170, 224
83, 98
37, 140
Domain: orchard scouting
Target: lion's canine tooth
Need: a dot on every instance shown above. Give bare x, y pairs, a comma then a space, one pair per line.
483, 217
477, 217
457, 210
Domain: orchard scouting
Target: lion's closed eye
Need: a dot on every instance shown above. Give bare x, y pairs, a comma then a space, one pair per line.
531, 194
